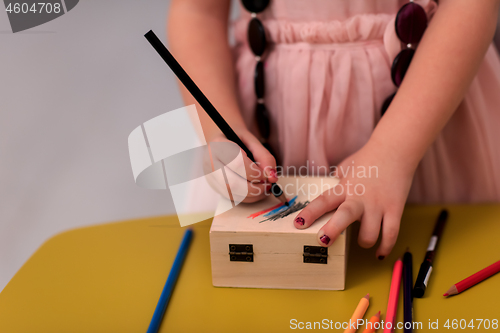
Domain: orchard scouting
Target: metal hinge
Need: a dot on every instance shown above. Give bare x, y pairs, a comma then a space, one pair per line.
315, 254
241, 252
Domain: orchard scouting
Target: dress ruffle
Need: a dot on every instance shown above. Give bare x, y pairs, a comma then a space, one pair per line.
354, 29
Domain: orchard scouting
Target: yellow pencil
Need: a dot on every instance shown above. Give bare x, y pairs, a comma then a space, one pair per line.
358, 314
372, 326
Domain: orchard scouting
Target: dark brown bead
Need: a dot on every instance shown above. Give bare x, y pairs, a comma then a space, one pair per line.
411, 22
257, 36
387, 102
262, 117
400, 66
259, 79
255, 6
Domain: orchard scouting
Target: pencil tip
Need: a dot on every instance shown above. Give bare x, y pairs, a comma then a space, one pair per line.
367, 296
446, 294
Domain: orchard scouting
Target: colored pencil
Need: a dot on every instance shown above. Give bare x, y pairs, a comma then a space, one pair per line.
205, 103
154, 325
426, 267
392, 305
372, 326
473, 279
358, 314
407, 291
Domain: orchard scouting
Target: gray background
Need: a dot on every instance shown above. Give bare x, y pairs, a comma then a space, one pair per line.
71, 91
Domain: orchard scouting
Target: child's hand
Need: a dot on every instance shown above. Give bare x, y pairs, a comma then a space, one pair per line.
256, 184
376, 198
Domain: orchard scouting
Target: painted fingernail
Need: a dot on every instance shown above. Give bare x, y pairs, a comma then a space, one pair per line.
324, 239
273, 173
299, 220
381, 257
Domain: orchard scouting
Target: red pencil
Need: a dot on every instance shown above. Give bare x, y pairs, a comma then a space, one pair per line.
473, 279
392, 305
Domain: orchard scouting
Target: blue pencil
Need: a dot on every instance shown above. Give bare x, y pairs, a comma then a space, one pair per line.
169, 285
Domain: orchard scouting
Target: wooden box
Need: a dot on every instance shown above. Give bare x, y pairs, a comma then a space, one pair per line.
247, 252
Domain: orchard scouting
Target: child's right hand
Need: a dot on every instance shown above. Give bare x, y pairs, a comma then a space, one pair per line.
256, 184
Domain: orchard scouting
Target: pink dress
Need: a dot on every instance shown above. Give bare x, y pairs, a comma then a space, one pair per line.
327, 74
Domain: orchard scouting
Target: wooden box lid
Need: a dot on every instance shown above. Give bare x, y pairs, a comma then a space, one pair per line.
281, 235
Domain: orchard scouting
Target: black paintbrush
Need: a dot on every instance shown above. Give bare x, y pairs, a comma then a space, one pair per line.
205, 103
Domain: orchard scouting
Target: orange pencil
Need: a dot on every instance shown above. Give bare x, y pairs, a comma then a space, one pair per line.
358, 314
372, 326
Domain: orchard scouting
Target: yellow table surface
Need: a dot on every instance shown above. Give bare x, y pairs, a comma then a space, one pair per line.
108, 278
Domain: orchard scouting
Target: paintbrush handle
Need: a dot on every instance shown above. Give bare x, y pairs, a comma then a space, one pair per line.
196, 92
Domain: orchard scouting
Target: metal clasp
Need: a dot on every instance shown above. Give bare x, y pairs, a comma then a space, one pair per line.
315, 254
241, 252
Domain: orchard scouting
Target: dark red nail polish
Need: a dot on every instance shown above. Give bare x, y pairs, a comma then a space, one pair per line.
299, 220
273, 173
381, 257
324, 239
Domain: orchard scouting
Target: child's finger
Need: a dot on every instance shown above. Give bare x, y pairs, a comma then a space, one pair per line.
369, 229
237, 188
348, 212
223, 155
218, 183
390, 231
248, 192
257, 192
325, 202
253, 173
265, 160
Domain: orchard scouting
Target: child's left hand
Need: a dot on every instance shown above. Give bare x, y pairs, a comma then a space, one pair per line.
376, 198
